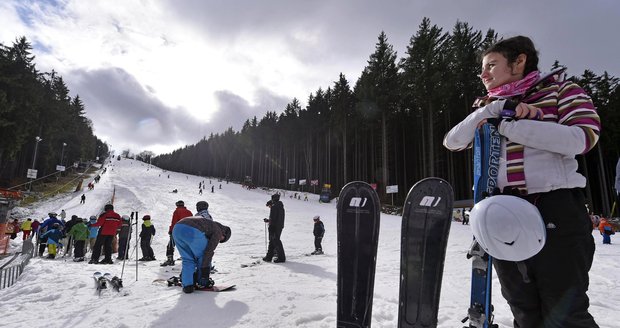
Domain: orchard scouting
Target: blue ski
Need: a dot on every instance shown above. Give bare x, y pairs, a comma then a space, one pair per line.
486, 165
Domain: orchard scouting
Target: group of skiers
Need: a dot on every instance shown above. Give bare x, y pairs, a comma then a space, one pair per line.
275, 249
195, 236
110, 232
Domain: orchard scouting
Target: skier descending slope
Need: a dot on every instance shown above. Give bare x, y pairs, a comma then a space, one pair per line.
553, 121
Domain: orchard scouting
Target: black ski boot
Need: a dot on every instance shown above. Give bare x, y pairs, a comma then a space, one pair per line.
169, 261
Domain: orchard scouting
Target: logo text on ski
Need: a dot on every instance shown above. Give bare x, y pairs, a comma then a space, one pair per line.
430, 201
358, 202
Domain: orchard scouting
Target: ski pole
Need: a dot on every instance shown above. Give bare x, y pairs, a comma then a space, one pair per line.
137, 246
266, 248
126, 253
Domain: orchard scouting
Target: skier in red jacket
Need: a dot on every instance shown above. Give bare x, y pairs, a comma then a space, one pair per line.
179, 213
109, 222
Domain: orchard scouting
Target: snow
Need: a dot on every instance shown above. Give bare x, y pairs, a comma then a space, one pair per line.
298, 293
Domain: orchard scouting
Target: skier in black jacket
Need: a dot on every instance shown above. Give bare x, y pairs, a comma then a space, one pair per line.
147, 232
276, 224
124, 236
319, 232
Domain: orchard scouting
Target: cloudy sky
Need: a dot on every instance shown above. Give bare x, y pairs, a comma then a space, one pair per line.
159, 74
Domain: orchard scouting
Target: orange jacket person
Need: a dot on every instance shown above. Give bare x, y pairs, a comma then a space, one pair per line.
606, 230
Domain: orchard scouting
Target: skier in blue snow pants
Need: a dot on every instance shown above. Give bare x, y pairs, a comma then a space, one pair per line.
196, 239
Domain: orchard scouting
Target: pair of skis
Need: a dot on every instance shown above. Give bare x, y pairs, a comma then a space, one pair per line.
424, 235
102, 280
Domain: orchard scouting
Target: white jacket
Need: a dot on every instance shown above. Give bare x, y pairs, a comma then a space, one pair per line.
550, 146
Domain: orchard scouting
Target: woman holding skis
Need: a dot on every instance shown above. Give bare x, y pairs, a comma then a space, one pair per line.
552, 121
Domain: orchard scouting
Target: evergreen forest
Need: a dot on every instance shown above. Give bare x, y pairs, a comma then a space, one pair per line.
39, 117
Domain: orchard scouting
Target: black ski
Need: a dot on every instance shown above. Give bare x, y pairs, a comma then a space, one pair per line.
358, 212
424, 236
100, 282
115, 282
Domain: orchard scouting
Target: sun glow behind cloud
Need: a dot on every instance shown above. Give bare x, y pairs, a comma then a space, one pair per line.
200, 66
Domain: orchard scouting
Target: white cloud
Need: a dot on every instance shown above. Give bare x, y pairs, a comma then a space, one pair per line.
199, 63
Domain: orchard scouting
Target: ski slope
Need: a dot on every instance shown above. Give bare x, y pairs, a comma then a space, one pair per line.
298, 293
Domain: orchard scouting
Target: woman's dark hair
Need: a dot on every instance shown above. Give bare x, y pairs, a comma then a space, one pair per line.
511, 49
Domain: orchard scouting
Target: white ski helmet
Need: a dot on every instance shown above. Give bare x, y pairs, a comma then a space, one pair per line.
508, 227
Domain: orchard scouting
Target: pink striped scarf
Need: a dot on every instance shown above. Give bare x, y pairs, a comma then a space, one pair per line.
515, 88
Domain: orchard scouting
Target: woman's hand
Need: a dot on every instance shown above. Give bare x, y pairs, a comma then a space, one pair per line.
524, 110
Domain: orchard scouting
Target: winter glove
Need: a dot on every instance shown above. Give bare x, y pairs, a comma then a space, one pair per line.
204, 281
507, 114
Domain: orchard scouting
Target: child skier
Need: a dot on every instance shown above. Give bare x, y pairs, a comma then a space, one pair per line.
79, 233
319, 231
92, 233
148, 231
124, 236
606, 230
53, 235
26, 228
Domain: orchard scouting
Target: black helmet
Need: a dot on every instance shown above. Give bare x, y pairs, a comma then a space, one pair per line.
108, 207
52, 214
226, 232
202, 205
180, 203
275, 197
